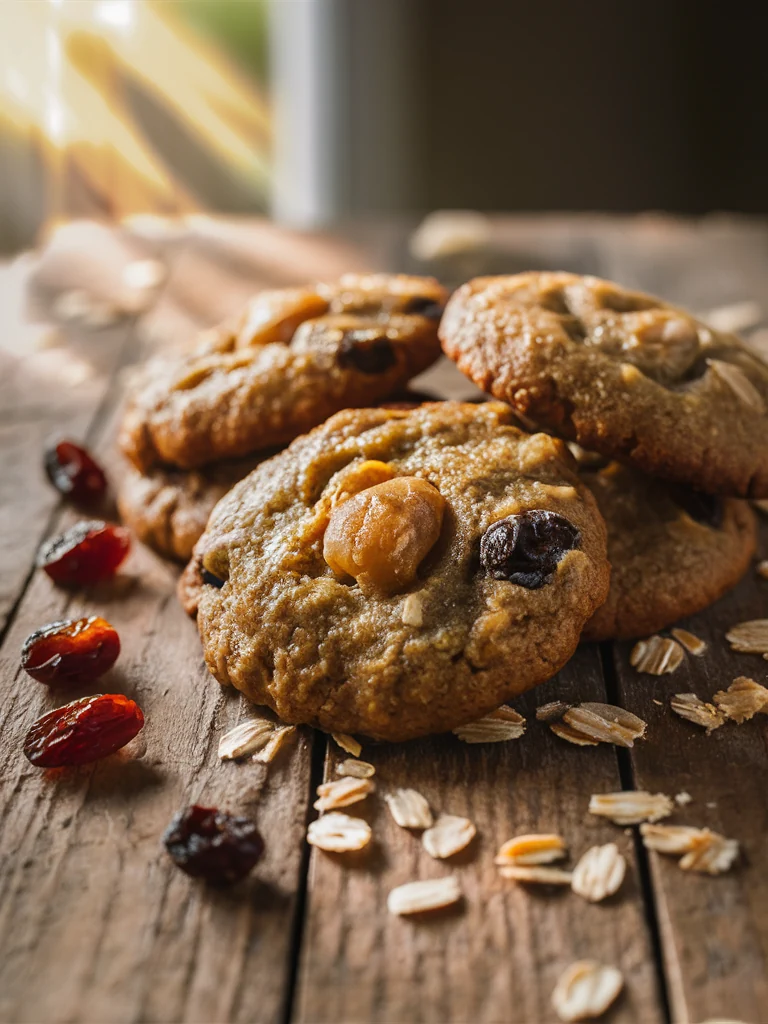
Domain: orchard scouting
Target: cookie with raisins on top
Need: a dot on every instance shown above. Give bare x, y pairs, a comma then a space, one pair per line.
398, 572
296, 356
621, 373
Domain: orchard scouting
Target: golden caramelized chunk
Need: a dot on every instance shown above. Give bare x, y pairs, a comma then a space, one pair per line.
381, 535
273, 316
359, 476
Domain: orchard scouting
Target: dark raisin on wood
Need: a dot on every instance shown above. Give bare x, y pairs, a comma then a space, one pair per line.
211, 844
89, 552
83, 731
74, 472
70, 651
526, 548
358, 351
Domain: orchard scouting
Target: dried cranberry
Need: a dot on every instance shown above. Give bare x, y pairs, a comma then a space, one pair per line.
526, 548
424, 306
74, 472
211, 844
87, 553
360, 352
73, 650
83, 731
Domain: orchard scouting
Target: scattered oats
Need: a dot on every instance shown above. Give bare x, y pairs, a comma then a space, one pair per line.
413, 612
535, 873
275, 743
339, 833
749, 637
605, 723
599, 873
692, 643
409, 809
743, 699
735, 317
739, 383
448, 835
659, 702
356, 769
502, 724
565, 732
431, 894
246, 738
552, 711
762, 569
671, 838
74, 304
537, 848
694, 709
682, 799
585, 990
657, 655
712, 804
713, 855
342, 793
347, 743
630, 807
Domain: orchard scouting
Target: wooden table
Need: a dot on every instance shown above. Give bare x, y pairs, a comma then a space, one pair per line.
97, 925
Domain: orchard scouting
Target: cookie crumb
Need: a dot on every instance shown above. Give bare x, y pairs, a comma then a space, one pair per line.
743, 699
682, 799
413, 611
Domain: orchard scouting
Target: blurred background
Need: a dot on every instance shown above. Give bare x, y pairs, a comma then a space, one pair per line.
314, 112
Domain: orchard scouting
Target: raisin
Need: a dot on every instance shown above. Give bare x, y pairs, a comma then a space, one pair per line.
74, 472
526, 548
211, 844
702, 508
368, 355
424, 306
211, 580
89, 552
83, 731
73, 650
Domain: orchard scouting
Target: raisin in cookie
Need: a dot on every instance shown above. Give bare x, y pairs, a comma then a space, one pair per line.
295, 357
399, 572
621, 373
673, 551
168, 508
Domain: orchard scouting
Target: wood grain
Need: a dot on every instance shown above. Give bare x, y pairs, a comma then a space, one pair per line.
498, 955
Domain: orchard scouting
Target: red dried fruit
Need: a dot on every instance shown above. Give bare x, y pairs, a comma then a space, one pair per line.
74, 472
89, 552
83, 731
73, 650
211, 844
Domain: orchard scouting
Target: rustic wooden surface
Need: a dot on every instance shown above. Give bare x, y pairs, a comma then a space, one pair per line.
95, 923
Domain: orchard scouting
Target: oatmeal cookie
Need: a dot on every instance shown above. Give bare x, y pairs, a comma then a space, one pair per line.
399, 572
673, 551
168, 508
295, 357
621, 373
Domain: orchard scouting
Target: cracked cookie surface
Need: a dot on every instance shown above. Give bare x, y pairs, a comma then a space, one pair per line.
353, 582
672, 551
620, 372
294, 357
168, 508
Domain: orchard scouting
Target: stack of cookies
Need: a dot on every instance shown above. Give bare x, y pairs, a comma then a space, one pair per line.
400, 571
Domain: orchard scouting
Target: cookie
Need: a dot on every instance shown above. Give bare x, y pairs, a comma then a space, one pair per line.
673, 551
399, 572
621, 373
168, 508
294, 358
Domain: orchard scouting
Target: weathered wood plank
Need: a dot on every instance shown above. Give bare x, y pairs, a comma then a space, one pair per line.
89, 901
497, 956
714, 930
